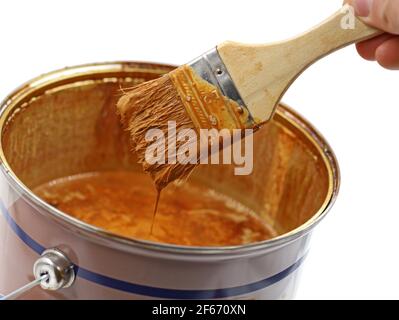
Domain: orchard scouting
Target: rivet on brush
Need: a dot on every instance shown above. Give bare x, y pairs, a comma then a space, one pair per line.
240, 110
188, 98
219, 71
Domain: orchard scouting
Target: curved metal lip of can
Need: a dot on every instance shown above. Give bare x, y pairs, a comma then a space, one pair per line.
101, 236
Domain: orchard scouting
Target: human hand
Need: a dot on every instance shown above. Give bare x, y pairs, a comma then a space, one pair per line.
382, 14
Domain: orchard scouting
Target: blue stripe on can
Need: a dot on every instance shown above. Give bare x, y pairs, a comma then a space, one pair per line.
35, 246
154, 291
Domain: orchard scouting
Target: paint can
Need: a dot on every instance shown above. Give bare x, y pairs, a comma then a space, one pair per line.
62, 123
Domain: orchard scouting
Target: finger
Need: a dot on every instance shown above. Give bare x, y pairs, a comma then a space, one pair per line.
368, 48
382, 14
387, 54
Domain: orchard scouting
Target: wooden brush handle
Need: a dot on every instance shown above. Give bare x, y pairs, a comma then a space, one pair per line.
262, 73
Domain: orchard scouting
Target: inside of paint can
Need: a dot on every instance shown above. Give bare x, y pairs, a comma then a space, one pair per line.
69, 127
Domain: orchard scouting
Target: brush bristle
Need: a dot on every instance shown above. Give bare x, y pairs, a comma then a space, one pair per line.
151, 105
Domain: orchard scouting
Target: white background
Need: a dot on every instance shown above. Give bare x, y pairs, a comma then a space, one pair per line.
354, 103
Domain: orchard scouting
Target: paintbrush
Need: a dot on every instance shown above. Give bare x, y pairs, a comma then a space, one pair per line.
233, 86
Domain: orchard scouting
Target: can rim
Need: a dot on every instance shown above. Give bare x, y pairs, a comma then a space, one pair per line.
99, 235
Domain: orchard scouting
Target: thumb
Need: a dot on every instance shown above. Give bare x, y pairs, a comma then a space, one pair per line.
382, 14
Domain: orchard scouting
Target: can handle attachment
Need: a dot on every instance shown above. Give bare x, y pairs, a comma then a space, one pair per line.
52, 271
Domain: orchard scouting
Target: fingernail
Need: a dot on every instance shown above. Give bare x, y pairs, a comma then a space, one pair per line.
363, 7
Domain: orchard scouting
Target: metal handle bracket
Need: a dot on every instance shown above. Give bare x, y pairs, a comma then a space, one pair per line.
52, 271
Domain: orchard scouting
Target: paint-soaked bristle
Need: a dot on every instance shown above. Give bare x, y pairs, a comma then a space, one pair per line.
151, 105
184, 98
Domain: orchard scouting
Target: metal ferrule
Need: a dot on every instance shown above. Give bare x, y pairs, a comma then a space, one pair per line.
211, 68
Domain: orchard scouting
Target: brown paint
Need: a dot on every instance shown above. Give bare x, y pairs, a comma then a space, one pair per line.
70, 127
151, 105
207, 107
123, 202
179, 96
155, 210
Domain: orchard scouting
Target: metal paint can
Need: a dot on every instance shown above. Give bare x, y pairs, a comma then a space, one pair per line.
63, 123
